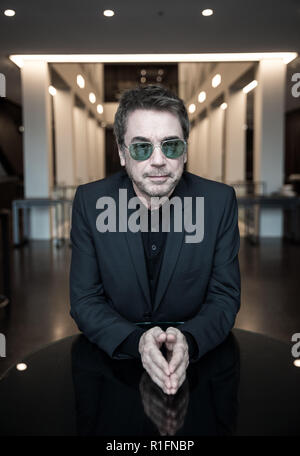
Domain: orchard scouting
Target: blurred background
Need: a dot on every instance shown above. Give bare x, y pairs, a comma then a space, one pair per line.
64, 66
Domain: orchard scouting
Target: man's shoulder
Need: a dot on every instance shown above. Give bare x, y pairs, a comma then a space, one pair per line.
107, 185
201, 186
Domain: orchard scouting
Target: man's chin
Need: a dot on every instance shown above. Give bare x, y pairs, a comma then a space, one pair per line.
158, 190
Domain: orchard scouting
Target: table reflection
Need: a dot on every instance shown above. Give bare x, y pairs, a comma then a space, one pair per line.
117, 397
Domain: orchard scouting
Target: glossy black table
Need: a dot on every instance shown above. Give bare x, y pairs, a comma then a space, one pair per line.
248, 385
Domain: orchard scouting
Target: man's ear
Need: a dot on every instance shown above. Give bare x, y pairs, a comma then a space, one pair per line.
121, 155
185, 157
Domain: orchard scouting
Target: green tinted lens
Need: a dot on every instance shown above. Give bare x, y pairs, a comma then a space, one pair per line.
140, 151
173, 148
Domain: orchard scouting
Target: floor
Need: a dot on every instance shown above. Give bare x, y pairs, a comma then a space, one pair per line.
39, 310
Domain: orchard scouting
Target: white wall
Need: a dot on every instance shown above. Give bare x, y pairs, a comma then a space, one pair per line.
215, 144
235, 155
101, 152
197, 149
63, 103
81, 145
269, 103
93, 159
37, 143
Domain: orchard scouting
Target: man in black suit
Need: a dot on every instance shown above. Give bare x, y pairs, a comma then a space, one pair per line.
149, 290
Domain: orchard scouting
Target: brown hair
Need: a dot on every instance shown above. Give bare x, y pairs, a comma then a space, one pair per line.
148, 97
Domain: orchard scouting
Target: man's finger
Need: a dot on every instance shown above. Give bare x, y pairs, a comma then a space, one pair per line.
161, 338
158, 381
170, 331
150, 350
159, 360
170, 341
178, 355
171, 338
178, 377
156, 372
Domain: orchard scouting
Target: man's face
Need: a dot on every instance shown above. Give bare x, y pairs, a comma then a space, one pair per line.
153, 126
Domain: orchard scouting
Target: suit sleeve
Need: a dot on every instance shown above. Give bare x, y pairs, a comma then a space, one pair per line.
90, 307
217, 315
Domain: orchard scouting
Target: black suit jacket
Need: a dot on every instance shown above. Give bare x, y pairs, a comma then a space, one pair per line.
199, 283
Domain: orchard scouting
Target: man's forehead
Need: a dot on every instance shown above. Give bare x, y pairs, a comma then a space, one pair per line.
143, 122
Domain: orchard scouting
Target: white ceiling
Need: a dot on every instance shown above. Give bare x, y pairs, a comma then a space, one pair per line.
168, 26
156, 26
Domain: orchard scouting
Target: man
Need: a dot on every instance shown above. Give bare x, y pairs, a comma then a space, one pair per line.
123, 282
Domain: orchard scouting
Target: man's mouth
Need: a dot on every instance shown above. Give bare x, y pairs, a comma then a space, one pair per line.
159, 178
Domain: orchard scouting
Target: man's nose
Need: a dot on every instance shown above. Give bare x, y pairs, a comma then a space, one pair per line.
157, 158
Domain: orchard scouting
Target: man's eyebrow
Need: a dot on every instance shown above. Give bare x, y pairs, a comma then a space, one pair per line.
170, 137
142, 138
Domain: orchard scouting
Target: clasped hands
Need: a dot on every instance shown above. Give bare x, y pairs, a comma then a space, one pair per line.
170, 373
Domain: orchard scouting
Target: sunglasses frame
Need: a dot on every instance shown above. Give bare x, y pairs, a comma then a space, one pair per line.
157, 145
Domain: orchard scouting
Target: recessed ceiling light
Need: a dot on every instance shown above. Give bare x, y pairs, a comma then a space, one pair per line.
21, 366
52, 90
297, 362
80, 81
207, 12
250, 86
99, 108
92, 98
216, 80
9, 12
192, 108
202, 96
223, 106
108, 13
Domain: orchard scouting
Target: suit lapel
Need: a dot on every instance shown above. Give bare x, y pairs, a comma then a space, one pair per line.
136, 248
172, 249
173, 244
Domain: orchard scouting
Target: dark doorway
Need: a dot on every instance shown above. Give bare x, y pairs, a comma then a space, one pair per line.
111, 153
120, 77
292, 143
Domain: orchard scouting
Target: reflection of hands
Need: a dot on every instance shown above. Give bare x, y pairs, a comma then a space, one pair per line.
166, 412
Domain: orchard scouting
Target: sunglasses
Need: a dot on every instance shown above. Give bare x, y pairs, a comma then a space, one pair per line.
172, 148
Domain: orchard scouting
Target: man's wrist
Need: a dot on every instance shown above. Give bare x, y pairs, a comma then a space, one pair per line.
192, 344
130, 346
